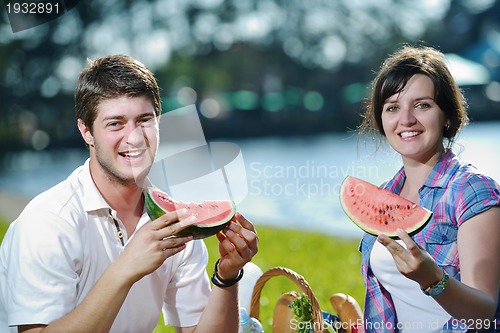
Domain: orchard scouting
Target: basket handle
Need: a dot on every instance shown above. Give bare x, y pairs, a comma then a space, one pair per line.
299, 281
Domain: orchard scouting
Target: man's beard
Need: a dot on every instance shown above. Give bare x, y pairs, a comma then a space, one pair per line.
137, 178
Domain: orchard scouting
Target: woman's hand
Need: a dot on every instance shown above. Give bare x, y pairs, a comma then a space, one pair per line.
413, 262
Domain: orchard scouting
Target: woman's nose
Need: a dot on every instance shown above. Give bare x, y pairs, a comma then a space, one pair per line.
407, 117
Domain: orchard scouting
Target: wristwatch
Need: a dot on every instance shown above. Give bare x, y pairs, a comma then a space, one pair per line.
437, 288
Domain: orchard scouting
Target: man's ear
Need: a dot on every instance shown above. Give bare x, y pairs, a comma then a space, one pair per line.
85, 132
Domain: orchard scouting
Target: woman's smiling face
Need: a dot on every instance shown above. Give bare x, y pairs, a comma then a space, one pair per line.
413, 122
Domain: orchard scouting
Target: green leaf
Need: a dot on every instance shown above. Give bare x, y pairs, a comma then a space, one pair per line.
302, 310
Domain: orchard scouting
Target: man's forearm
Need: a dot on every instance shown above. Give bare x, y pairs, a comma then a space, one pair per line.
98, 310
221, 313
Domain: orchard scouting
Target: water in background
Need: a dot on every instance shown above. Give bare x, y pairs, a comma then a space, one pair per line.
292, 182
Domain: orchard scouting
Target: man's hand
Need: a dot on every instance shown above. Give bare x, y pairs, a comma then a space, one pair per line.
153, 244
238, 244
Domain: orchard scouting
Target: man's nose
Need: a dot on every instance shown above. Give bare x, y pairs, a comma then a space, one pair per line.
134, 134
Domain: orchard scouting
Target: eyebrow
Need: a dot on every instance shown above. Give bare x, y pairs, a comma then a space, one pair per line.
119, 117
113, 117
422, 98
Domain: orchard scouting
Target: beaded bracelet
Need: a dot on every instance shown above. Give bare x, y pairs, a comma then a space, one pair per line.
222, 283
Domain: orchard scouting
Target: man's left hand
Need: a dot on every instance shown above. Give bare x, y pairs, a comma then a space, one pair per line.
238, 244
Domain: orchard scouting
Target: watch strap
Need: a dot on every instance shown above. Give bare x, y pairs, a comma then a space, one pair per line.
437, 288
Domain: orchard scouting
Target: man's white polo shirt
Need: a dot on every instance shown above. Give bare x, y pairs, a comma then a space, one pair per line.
61, 244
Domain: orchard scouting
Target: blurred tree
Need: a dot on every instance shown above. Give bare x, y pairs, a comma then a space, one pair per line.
263, 66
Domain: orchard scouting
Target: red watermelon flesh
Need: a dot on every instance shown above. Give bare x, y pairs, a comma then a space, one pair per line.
379, 211
210, 216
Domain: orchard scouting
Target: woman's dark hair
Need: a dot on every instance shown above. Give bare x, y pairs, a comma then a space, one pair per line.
393, 76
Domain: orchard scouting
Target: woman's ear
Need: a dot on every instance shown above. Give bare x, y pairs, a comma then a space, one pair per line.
447, 129
85, 132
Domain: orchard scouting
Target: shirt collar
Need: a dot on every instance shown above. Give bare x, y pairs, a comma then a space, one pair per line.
443, 171
439, 177
92, 198
396, 183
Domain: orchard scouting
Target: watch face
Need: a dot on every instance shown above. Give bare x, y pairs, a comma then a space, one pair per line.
437, 290
439, 287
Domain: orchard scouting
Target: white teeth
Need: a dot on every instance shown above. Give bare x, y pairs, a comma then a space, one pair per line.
409, 134
132, 154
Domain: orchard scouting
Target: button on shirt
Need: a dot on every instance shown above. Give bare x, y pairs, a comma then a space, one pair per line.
454, 192
62, 243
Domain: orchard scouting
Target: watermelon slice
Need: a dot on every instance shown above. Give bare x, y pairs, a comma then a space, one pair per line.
211, 216
379, 211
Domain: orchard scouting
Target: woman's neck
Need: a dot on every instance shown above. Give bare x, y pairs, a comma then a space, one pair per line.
416, 173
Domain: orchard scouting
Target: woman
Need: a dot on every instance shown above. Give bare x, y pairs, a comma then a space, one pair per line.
446, 277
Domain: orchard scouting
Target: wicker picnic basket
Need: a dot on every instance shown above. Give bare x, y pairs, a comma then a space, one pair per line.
282, 314
345, 306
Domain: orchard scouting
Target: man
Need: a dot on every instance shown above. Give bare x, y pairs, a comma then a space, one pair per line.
84, 257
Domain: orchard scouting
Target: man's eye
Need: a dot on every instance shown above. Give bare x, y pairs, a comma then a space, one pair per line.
113, 125
148, 121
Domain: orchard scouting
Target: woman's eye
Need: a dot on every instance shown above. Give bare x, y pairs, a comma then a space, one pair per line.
422, 106
391, 108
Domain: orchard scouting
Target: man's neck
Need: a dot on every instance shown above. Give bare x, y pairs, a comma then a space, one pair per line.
126, 199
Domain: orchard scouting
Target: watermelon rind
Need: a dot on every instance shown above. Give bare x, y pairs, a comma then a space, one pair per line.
379, 211
198, 230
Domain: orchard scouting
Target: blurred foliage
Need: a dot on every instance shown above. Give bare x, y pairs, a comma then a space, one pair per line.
267, 67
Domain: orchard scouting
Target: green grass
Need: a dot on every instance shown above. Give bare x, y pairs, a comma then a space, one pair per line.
329, 264
3, 228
